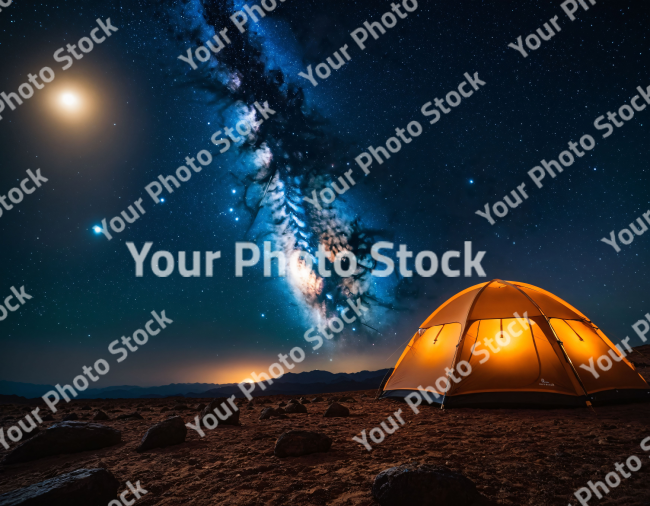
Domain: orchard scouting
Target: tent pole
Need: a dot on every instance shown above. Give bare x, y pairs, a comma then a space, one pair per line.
462, 336
560, 344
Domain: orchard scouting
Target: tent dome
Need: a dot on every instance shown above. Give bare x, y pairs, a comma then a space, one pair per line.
505, 343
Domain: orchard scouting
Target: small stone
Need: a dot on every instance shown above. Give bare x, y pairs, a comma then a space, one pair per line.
336, 410
100, 415
167, 433
295, 408
130, 416
267, 413
295, 443
223, 407
425, 485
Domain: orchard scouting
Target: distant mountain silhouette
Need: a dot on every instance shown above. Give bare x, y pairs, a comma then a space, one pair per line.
291, 384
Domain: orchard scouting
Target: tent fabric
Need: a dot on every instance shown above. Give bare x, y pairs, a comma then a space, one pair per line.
525, 347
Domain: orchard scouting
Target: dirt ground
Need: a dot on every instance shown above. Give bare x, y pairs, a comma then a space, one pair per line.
515, 457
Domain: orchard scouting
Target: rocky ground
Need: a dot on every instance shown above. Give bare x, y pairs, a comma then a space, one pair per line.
515, 457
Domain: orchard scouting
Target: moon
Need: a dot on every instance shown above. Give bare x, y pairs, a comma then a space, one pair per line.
70, 101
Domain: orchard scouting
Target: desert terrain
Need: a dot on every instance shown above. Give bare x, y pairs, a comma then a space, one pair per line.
514, 456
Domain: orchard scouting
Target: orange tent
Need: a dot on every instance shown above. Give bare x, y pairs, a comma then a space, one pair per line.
524, 346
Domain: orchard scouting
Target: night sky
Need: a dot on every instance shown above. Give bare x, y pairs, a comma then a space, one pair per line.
143, 111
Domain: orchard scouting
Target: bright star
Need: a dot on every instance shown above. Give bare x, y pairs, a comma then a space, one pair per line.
162, 200
471, 181
234, 191
97, 229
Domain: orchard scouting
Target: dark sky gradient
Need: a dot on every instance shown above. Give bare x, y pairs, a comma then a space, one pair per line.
151, 113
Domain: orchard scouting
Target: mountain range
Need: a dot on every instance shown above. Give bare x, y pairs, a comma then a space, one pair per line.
312, 382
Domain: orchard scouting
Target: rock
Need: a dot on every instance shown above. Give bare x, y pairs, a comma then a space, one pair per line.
317, 399
223, 407
295, 443
28, 435
84, 487
71, 417
346, 399
293, 401
48, 418
167, 433
130, 416
180, 407
282, 417
282, 404
164, 409
295, 408
199, 407
64, 437
336, 410
280, 411
100, 415
85, 407
305, 401
425, 485
267, 413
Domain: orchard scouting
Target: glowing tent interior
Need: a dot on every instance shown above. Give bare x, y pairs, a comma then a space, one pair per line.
525, 347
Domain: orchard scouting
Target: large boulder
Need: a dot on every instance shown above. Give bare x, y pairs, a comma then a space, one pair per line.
295, 408
295, 443
84, 487
64, 437
222, 406
425, 485
166, 433
31, 434
336, 410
